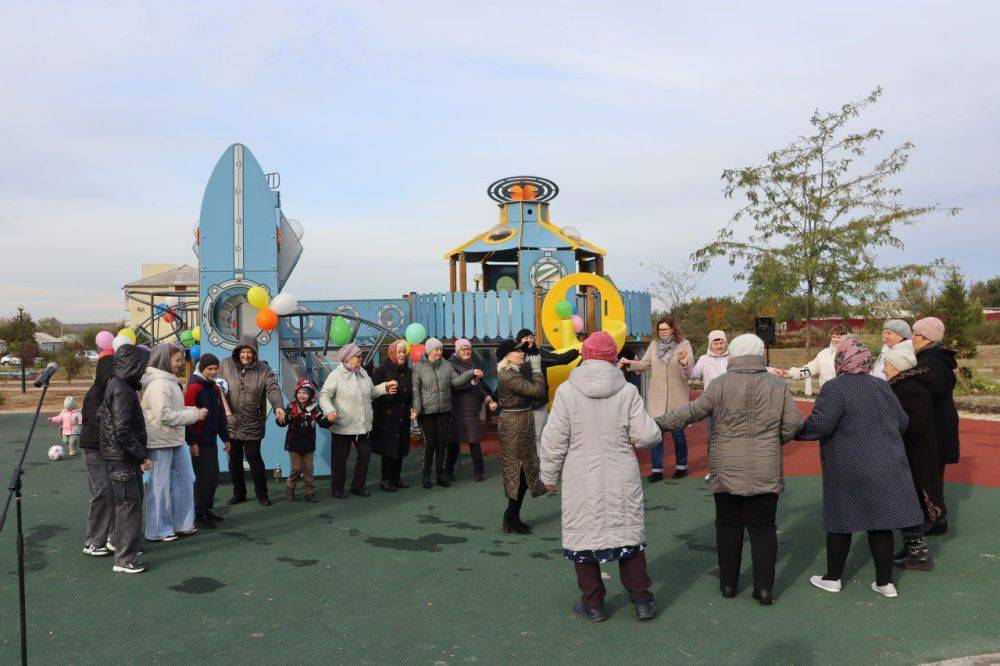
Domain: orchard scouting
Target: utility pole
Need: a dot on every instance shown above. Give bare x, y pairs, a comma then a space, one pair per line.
20, 335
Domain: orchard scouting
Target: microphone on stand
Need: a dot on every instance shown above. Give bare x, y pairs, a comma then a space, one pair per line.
47, 373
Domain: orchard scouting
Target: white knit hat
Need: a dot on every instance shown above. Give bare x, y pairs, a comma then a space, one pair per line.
431, 344
901, 357
747, 344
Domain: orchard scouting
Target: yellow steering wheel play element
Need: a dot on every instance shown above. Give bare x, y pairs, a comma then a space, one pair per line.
559, 332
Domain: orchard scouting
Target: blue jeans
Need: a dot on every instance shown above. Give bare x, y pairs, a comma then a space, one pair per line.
170, 492
680, 452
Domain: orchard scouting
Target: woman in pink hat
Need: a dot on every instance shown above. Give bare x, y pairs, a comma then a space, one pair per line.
928, 340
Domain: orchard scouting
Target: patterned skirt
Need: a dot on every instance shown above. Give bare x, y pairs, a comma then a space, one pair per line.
603, 555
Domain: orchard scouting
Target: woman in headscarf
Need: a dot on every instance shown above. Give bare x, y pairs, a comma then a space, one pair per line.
668, 388
756, 415
170, 493
597, 422
346, 401
896, 334
933, 354
467, 402
391, 427
912, 384
867, 485
521, 384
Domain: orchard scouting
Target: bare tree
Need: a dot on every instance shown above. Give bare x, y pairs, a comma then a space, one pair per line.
674, 288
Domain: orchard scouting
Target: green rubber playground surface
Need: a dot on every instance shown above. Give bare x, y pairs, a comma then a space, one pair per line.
427, 577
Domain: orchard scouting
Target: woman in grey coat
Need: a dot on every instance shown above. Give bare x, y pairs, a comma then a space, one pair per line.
753, 416
433, 381
867, 484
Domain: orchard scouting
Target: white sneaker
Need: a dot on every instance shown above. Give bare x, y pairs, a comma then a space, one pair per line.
827, 585
166, 539
110, 547
131, 568
707, 476
193, 530
886, 590
95, 551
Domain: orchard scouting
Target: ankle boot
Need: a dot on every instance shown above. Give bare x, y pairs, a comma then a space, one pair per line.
918, 555
290, 494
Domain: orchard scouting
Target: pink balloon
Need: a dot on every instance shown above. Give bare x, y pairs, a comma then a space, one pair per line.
104, 340
578, 323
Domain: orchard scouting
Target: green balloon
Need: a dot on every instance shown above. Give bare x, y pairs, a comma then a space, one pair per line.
564, 310
340, 331
186, 338
415, 333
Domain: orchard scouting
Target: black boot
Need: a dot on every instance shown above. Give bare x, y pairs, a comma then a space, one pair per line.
917, 554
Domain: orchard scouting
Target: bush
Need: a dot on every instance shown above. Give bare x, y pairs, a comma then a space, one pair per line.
988, 333
970, 384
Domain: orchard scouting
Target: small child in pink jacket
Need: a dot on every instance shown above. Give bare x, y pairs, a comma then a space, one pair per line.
71, 420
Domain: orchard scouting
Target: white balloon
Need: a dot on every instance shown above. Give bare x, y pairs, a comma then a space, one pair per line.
119, 341
297, 228
171, 301
284, 304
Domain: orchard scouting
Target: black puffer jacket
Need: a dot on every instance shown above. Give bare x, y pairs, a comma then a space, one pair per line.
123, 427
940, 360
251, 388
90, 438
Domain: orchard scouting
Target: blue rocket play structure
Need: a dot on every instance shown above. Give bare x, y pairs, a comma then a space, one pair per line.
244, 240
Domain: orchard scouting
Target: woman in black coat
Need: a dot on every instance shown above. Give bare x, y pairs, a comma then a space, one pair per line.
928, 337
390, 434
911, 385
466, 403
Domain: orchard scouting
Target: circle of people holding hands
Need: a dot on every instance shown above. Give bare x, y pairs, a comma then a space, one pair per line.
887, 426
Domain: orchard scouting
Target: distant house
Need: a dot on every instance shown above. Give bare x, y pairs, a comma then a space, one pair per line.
50, 343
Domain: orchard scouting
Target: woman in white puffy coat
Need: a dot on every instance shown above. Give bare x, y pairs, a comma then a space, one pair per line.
170, 492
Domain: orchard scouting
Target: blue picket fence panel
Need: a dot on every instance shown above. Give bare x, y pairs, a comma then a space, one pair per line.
503, 298
492, 315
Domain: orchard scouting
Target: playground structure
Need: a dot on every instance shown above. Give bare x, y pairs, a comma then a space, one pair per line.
525, 267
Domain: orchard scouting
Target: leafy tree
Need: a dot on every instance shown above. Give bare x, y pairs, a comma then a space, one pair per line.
51, 325
913, 297
957, 314
987, 291
71, 361
819, 215
10, 329
88, 335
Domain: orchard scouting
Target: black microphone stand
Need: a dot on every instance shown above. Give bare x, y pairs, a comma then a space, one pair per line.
15, 493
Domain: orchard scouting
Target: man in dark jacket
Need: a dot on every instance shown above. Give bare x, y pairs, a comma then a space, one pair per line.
527, 342
123, 448
928, 336
252, 385
203, 438
100, 518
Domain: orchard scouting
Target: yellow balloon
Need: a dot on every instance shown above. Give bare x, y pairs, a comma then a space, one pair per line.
258, 297
128, 333
196, 333
559, 332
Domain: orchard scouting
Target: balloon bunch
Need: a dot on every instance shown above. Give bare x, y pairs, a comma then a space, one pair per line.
415, 335
166, 309
106, 341
567, 310
269, 308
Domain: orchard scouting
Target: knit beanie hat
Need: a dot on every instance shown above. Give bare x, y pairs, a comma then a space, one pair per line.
899, 327
506, 347
69, 402
747, 344
348, 351
931, 328
901, 357
600, 346
207, 360
462, 342
431, 345
716, 335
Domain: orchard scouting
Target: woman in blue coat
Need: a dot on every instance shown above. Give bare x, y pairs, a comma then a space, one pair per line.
867, 486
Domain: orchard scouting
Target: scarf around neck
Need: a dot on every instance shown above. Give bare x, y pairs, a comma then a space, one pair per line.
665, 350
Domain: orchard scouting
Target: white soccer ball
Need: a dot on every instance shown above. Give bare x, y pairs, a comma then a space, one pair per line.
57, 452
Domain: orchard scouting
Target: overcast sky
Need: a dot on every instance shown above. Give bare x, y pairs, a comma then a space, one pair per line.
388, 120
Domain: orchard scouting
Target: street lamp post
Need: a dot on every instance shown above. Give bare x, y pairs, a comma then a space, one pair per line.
20, 335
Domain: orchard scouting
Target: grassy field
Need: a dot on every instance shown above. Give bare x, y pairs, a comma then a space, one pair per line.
426, 577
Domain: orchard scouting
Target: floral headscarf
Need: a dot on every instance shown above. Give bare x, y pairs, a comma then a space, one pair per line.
853, 358
390, 353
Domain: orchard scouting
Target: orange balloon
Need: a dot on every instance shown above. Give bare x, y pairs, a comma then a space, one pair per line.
416, 352
267, 319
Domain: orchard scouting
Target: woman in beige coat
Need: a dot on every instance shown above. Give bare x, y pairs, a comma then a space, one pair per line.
753, 416
668, 388
597, 421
